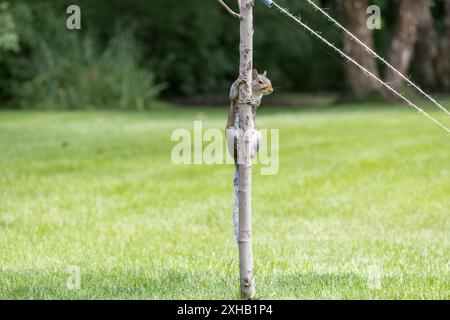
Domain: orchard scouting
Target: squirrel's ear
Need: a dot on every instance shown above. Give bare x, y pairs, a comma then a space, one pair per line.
265, 74
254, 73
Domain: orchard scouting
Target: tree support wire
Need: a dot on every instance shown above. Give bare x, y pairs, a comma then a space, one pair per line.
363, 69
376, 55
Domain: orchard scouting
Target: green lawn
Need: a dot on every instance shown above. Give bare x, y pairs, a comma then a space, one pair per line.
360, 208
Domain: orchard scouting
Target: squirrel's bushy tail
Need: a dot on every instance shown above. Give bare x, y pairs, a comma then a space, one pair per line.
255, 142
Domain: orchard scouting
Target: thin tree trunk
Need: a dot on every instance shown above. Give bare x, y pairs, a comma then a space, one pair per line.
404, 39
443, 65
246, 127
354, 19
426, 50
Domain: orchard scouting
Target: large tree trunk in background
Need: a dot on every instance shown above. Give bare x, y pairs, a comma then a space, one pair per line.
404, 38
355, 20
443, 65
426, 50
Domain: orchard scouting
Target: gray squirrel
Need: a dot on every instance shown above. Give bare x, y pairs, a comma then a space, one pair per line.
261, 86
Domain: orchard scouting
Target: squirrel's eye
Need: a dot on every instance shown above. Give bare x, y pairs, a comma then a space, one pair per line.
260, 82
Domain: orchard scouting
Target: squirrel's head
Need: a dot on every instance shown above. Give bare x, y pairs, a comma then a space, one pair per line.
261, 84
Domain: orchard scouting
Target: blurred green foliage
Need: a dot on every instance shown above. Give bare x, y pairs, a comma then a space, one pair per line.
63, 69
8, 35
126, 49
74, 72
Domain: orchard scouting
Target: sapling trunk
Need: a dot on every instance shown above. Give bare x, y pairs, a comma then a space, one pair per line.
246, 127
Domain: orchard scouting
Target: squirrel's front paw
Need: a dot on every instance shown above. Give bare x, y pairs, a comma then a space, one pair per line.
252, 102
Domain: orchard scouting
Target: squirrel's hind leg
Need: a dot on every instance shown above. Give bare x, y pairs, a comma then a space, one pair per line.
232, 114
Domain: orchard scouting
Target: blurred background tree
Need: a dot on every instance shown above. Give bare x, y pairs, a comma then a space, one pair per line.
129, 52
